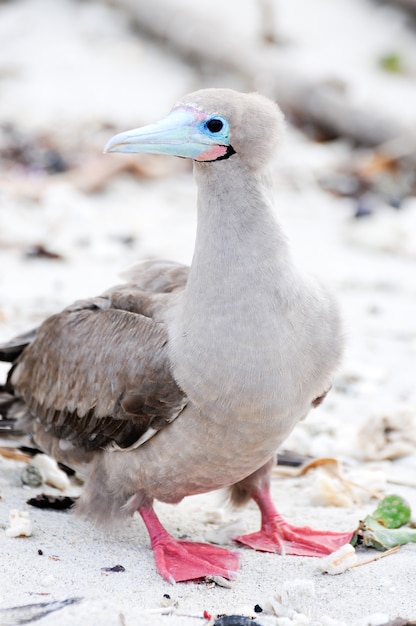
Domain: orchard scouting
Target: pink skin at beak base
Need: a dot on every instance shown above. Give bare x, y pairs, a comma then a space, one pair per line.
212, 154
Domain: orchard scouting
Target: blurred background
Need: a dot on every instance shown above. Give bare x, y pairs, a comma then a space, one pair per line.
75, 72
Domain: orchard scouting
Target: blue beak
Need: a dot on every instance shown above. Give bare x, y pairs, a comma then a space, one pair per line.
182, 133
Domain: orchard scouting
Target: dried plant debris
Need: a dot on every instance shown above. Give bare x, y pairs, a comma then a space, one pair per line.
94, 173
345, 558
385, 530
31, 612
387, 526
10, 452
57, 503
387, 437
329, 485
28, 161
40, 251
384, 176
372, 534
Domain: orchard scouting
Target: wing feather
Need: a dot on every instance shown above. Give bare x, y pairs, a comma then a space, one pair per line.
98, 373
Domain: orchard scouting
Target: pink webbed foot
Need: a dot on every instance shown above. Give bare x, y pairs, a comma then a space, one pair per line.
302, 541
276, 535
178, 561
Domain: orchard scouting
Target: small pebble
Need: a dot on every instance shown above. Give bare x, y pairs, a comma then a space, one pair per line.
31, 476
168, 601
115, 568
235, 620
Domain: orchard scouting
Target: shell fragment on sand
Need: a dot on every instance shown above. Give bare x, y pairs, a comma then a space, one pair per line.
339, 561
20, 524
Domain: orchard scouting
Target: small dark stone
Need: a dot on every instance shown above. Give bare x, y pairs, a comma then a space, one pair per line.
125, 239
362, 211
167, 596
235, 620
115, 568
45, 501
40, 552
54, 162
396, 203
258, 609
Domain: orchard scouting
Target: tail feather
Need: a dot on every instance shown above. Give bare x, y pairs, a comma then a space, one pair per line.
11, 350
11, 410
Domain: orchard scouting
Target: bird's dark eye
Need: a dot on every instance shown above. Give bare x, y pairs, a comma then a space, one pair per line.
214, 125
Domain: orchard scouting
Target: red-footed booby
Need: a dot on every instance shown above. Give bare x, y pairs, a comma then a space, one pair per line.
187, 380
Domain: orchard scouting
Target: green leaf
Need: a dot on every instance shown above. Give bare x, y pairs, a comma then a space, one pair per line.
392, 512
391, 63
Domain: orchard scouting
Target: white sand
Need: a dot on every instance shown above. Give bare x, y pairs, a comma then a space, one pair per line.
53, 56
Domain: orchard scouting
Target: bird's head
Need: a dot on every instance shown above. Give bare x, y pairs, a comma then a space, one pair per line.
210, 125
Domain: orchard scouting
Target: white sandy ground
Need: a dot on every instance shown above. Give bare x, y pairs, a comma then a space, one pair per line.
68, 70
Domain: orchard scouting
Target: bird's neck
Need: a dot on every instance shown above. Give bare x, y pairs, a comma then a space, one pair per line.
239, 244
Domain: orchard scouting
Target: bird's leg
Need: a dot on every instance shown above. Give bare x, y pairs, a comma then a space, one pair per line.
178, 560
276, 535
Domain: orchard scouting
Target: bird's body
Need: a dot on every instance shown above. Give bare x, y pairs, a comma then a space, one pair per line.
186, 380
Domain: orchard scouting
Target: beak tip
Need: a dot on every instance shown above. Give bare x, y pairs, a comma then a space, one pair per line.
108, 147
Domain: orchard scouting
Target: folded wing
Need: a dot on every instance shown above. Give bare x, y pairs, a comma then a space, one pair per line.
97, 375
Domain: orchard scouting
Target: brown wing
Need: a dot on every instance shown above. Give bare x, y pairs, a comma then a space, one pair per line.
99, 375
158, 276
